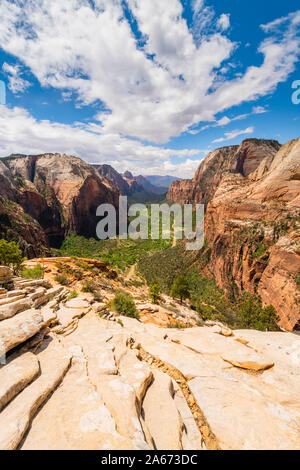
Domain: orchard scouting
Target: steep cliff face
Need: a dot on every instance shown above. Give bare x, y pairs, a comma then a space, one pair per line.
78, 188
252, 152
243, 159
252, 228
15, 222
201, 188
58, 192
16, 225
82, 218
185, 192
45, 211
6, 182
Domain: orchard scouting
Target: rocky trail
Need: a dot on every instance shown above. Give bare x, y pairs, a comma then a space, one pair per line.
131, 273
76, 376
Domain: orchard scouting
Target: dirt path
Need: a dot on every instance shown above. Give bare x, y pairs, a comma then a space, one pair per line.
131, 273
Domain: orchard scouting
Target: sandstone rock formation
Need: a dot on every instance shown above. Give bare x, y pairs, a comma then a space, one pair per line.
16, 225
6, 274
252, 195
43, 197
124, 384
244, 159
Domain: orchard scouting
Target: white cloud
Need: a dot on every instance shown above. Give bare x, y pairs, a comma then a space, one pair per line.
21, 133
15, 82
233, 134
168, 83
224, 22
197, 5
93, 53
224, 121
66, 95
185, 169
292, 18
259, 110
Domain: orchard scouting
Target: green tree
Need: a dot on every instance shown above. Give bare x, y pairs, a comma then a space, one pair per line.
124, 304
181, 289
251, 314
11, 255
154, 293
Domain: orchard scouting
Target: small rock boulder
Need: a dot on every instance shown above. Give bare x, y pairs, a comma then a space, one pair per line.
77, 303
6, 274
247, 359
149, 308
222, 330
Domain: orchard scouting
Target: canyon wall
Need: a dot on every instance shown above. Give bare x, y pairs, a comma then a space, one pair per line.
45, 197
243, 159
252, 227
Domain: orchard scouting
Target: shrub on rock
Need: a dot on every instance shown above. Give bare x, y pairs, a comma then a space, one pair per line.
124, 304
33, 273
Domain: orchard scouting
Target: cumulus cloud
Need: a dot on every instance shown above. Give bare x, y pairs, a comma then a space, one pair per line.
233, 134
186, 169
21, 133
16, 83
169, 80
154, 88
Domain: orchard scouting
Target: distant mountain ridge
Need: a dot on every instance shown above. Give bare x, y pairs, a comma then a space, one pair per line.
162, 181
127, 184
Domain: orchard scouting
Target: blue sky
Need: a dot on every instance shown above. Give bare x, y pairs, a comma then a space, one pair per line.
146, 86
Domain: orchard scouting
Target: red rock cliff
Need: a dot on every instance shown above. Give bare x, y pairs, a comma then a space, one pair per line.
57, 193
252, 229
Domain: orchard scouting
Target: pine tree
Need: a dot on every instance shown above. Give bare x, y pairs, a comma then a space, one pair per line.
180, 288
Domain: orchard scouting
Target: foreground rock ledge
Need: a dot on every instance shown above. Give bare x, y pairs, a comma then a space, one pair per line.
74, 380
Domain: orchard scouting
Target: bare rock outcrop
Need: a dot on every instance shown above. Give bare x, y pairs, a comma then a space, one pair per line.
161, 414
6, 274
128, 385
18, 329
16, 375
